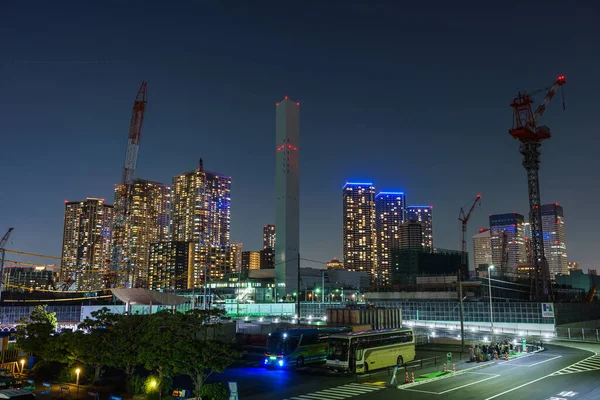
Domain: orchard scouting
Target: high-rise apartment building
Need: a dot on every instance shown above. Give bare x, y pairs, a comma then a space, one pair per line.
86, 243
23, 279
424, 216
412, 237
168, 265
147, 222
513, 225
250, 260
287, 196
218, 260
389, 215
269, 236
482, 248
555, 242
237, 248
359, 234
267, 258
200, 207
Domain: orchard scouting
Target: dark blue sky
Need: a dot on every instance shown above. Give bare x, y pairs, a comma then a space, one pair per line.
413, 97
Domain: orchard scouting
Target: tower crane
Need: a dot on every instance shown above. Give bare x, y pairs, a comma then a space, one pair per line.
3, 251
464, 268
122, 207
526, 131
464, 219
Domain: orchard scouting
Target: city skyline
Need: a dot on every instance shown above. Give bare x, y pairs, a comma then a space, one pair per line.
233, 117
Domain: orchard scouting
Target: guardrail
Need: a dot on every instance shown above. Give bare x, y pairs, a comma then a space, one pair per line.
592, 335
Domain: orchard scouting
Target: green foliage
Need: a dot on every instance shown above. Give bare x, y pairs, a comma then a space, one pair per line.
214, 391
33, 332
135, 384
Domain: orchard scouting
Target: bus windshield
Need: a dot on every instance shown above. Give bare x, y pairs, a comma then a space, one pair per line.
338, 349
278, 343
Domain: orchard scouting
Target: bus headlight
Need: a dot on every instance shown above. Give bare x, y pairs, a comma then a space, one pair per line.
280, 363
266, 361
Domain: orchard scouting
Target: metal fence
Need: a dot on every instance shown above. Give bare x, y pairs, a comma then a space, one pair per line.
592, 335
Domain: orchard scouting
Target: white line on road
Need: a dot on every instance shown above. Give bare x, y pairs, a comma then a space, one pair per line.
518, 387
469, 384
541, 362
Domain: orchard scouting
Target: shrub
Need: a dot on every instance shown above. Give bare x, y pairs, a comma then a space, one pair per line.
135, 384
213, 391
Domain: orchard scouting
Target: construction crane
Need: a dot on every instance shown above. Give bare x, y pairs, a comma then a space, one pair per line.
126, 187
3, 251
464, 220
526, 131
464, 268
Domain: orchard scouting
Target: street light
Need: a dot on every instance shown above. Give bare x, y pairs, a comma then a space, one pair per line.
22, 366
77, 371
490, 268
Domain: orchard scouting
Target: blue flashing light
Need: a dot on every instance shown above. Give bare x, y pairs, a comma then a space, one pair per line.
280, 363
266, 361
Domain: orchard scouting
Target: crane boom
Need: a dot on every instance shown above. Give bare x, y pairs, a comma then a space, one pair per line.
464, 219
542, 107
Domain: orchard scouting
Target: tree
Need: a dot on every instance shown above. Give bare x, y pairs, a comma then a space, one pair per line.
90, 348
34, 332
199, 353
158, 343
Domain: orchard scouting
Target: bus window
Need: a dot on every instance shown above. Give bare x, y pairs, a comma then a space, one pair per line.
338, 349
310, 339
290, 344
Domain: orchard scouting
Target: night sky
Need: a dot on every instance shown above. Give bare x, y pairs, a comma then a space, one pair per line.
413, 98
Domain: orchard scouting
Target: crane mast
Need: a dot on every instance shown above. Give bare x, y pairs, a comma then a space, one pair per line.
125, 190
3, 251
530, 136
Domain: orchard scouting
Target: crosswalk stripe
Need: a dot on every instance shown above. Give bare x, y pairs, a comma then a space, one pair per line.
339, 392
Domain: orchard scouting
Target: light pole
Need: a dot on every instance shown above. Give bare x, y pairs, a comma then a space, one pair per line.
77, 371
22, 366
490, 268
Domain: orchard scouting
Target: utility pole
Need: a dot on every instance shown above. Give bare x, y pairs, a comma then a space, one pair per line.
298, 296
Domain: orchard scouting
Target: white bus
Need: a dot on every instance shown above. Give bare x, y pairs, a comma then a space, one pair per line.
366, 351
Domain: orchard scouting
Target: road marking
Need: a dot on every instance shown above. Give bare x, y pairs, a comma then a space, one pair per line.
541, 362
469, 384
589, 364
339, 392
518, 387
492, 376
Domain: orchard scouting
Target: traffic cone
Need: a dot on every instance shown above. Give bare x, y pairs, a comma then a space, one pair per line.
406, 381
496, 354
506, 356
413, 377
453, 367
444, 367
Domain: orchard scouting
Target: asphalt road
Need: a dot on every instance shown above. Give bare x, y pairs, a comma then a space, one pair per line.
555, 374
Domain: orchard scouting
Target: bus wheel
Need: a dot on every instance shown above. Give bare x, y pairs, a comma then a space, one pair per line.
400, 361
300, 362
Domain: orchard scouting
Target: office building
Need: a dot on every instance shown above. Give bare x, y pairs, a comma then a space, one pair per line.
408, 264
573, 266
513, 225
200, 207
269, 236
168, 265
147, 222
250, 261
555, 242
412, 237
267, 258
237, 248
86, 243
482, 248
287, 196
424, 216
358, 230
335, 264
23, 279
389, 215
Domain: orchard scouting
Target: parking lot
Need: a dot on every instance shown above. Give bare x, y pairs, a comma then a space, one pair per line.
455, 382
